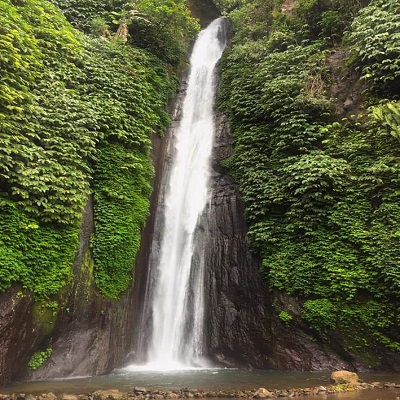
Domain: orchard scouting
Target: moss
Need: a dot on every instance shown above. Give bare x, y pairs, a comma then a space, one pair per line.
45, 315
85, 278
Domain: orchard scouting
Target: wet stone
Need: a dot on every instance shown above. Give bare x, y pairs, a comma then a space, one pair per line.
69, 397
139, 390
262, 393
111, 394
171, 395
48, 396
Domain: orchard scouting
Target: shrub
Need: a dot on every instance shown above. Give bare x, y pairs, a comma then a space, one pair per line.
376, 44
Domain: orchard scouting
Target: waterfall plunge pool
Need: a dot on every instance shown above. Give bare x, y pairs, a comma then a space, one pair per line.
208, 379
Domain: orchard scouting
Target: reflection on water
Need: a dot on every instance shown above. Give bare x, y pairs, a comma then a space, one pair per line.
209, 379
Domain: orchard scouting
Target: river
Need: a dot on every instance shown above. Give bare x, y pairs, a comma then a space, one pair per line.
209, 379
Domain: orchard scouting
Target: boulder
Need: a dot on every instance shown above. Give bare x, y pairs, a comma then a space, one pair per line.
347, 377
66, 396
48, 396
263, 393
171, 395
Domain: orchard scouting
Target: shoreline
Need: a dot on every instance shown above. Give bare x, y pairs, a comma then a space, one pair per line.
141, 393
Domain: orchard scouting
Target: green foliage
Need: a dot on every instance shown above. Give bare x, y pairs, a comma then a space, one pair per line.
36, 254
43, 163
76, 114
39, 358
122, 167
19, 62
387, 117
321, 192
376, 43
325, 19
252, 20
320, 314
285, 317
81, 13
121, 207
165, 30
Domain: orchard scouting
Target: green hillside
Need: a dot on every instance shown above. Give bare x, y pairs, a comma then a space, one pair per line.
312, 90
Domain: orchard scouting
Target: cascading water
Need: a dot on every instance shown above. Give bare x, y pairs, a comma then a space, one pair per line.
174, 294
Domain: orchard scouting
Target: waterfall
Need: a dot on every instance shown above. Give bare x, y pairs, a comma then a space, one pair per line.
172, 326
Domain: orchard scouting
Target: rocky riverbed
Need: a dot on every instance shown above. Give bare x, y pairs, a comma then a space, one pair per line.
138, 393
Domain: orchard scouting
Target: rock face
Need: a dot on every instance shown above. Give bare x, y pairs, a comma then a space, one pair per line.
92, 335
237, 323
205, 10
242, 326
17, 333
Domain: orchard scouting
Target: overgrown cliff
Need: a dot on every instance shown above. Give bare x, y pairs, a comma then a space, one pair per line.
77, 109
311, 88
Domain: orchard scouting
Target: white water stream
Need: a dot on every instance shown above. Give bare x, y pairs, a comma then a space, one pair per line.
177, 300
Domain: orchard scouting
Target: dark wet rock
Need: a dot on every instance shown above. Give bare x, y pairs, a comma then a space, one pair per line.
18, 333
205, 10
